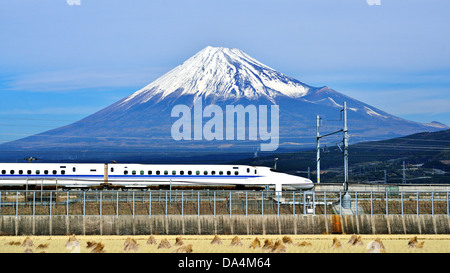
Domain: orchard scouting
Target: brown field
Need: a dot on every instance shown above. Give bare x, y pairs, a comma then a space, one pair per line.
202, 244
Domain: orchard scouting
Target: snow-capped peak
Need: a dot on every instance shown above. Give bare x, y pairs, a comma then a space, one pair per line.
221, 72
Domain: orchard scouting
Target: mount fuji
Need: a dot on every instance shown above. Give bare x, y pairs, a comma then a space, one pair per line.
140, 127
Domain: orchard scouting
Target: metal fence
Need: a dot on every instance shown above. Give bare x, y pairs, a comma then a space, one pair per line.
220, 202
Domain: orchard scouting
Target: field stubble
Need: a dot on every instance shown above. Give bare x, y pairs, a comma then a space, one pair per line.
202, 244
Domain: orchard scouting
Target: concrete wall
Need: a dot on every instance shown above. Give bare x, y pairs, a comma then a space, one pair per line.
239, 224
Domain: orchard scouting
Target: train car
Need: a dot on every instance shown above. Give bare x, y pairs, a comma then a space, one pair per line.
62, 175
143, 176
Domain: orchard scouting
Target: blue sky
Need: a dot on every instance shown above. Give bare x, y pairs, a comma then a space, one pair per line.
60, 63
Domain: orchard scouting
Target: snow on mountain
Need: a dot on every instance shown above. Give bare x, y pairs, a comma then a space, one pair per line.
371, 112
228, 73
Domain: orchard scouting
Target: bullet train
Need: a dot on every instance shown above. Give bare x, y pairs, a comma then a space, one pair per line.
143, 176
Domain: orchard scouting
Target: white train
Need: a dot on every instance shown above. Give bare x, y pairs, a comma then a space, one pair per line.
124, 176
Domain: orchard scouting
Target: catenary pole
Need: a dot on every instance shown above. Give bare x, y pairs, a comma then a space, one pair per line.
318, 148
347, 199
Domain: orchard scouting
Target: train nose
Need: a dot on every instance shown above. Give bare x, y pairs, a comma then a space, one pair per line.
301, 183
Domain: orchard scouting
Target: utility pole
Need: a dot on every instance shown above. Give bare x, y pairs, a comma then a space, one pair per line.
404, 174
318, 148
345, 148
347, 198
29, 159
346, 202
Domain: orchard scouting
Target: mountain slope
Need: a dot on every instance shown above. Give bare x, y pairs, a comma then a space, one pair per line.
143, 121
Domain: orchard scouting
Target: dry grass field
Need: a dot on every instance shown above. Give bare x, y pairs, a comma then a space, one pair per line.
227, 244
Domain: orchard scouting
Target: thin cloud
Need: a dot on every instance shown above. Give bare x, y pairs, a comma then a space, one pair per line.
68, 80
57, 111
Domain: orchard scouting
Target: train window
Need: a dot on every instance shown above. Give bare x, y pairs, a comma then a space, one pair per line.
29, 172
74, 169
235, 168
181, 172
220, 172
248, 170
228, 173
11, 171
133, 172
255, 171
20, 172
166, 172
62, 167
149, 172
38, 171
125, 172
158, 172
236, 173
112, 170
93, 170
189, 172
174, 172
3, 172
63, 172
213, 172
205, 172
142, 172
54, 172
45, 172
197, 172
